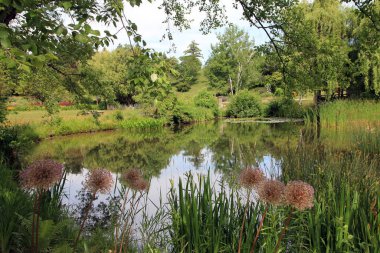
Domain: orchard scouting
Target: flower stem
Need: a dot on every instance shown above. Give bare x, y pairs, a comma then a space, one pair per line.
38, 218
287, 222
34, 222
87, 211
119, 219
243, 224
259, 229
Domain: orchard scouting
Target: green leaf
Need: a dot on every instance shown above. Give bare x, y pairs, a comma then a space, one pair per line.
5, 42
25, 67
87, 28
95, 32
11, 64
81, 38
60, 30
4, 34
134, 26
67, 5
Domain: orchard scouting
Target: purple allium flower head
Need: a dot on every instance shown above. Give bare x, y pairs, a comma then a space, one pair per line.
299, 195
272, 192
251, 178
41, 174
99, 180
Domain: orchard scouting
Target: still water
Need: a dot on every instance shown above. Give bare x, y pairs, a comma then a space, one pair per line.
165, 155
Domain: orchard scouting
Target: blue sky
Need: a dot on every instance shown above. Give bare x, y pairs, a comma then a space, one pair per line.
149, 21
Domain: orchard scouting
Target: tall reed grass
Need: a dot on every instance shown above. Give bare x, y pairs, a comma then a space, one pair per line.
207, 217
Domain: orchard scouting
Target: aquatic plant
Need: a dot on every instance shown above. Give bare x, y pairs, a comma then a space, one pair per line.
39, 176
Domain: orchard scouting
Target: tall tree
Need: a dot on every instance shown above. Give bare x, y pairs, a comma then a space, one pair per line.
234, 63
189, 67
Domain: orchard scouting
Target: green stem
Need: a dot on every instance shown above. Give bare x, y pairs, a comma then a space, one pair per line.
287, 222
243, 224
84, 219
38, 218
34, 222
259, 230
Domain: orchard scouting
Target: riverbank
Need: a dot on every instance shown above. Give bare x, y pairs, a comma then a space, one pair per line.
363, 114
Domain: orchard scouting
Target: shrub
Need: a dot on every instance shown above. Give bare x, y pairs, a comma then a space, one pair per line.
119, 116
14, 141
244, 105
206, 100
183, 87
3, 110
285, 107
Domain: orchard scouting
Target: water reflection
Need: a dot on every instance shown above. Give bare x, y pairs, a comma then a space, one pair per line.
220, 149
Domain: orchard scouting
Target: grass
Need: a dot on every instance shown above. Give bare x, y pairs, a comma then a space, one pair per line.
359, 113
72, 121
206, 217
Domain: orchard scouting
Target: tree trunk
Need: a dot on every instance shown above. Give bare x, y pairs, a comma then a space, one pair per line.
231, 87
317, 97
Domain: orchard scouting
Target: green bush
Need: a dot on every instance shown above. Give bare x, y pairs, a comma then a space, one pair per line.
286, 108
3, 110
206, 100
183, 87
174, 112
244, 105
15, 141
119, 116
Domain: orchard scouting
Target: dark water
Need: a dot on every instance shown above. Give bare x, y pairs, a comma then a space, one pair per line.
165, 155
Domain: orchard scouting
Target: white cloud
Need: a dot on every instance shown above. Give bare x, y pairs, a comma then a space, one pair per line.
149, 19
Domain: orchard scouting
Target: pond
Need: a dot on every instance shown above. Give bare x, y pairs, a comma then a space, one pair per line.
165, 155
330, 160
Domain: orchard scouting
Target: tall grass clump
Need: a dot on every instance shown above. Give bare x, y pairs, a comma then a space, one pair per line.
348, 124
215, 218
345, 216
358, 113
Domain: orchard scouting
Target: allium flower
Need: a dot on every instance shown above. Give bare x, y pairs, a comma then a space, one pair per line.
134, 179
271, 192
131, 176
41, 174
299, 195
139, 185
251, 178
99, 180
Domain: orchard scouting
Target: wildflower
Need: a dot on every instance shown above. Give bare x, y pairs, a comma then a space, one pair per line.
134, 179
139, 185
251, 178
153, 77
271, 192
299, 195
41, 174
99, 180
131, 176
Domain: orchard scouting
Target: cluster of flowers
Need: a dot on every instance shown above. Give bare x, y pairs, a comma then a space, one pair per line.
43, 174
297, 194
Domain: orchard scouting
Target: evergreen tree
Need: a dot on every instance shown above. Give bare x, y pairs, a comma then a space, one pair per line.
189, 67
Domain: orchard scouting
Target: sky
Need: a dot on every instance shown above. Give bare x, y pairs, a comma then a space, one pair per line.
149, 20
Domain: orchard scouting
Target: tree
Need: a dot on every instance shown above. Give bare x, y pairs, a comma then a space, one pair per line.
234, 63
189, 67
273, 18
